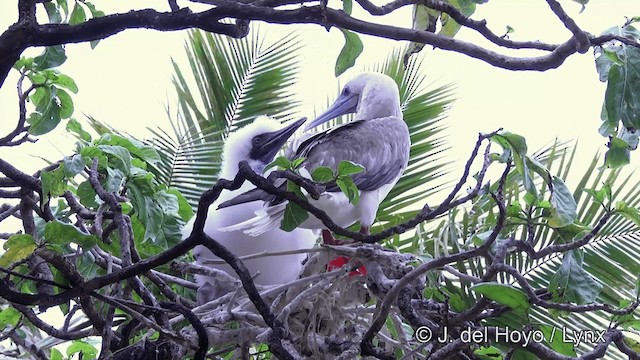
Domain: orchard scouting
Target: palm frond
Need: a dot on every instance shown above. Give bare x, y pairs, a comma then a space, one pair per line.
235, 81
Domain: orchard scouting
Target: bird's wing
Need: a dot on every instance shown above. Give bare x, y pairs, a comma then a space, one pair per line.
266, 219
255, 195
380, 145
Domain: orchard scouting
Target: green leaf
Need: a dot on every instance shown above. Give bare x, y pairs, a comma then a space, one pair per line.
56, 354
488, 353
572, 283
618, 154
322, 174
78, 346
77, 15
59, 233
294, 214
281, 162
87, 195
628, 212
53, 13
449, 26
66, 104
94, 12
423, 19
347, 6
184, 209
622, 96
349, 188
73, 165
516, 142
504, 294
42, 123
509, 30
52, 56
9, 316
17, 247
120, 153
350, 51
346, 167
563, 205
66, 82
53, 182
74, 126
297, 162
554, 337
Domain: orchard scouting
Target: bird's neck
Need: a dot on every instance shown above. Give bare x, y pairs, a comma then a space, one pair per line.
376, 105
230, 167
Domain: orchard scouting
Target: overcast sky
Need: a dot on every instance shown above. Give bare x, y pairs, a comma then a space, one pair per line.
125, 81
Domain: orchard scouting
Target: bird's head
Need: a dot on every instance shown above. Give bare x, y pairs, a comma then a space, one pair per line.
369, 95
257, 143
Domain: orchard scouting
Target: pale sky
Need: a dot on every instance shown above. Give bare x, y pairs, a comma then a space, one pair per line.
126, 82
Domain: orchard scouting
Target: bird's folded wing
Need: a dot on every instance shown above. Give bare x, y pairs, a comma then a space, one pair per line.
266, 219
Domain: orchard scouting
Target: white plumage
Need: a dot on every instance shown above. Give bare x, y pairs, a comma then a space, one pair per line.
257, 143
377, 139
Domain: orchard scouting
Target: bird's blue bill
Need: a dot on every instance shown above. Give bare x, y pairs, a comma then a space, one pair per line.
275, 140
346, 103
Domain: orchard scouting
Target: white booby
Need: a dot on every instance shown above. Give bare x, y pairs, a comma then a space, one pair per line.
256, 143
377, 139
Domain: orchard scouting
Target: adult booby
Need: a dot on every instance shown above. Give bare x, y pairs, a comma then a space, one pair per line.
377, 139
256, 143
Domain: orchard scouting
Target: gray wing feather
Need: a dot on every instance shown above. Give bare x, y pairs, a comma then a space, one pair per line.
380, 145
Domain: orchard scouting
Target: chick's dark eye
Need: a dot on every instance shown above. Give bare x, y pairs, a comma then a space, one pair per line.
346, 91
257, 140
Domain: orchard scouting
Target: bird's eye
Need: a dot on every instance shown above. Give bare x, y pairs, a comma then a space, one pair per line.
257, 140
346, 91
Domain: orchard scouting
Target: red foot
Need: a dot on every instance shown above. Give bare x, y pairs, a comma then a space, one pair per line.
328, 238
341, 261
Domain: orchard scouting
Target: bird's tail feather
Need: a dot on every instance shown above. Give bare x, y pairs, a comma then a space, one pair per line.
266, 219
249, 196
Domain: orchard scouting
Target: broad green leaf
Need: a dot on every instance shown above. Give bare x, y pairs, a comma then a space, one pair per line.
9, 317
280, 162
423, 19
66, 82
42, 97
56, 232
297, 162
322, 174
94, 12
347, 6
349, 188
563, 205
18, 247
74, 126
45, 122
628, 212
56, 354
66, 104
350, 51
77, 15
554, 337
53, 13
64, 6
514, 141
52, 56
120, 153
449, 26
572, 283
73, 165
184, 209
53, 182
504, 294
346, 167
618, 154
622, 97
78, 346
87, 195
294, 214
